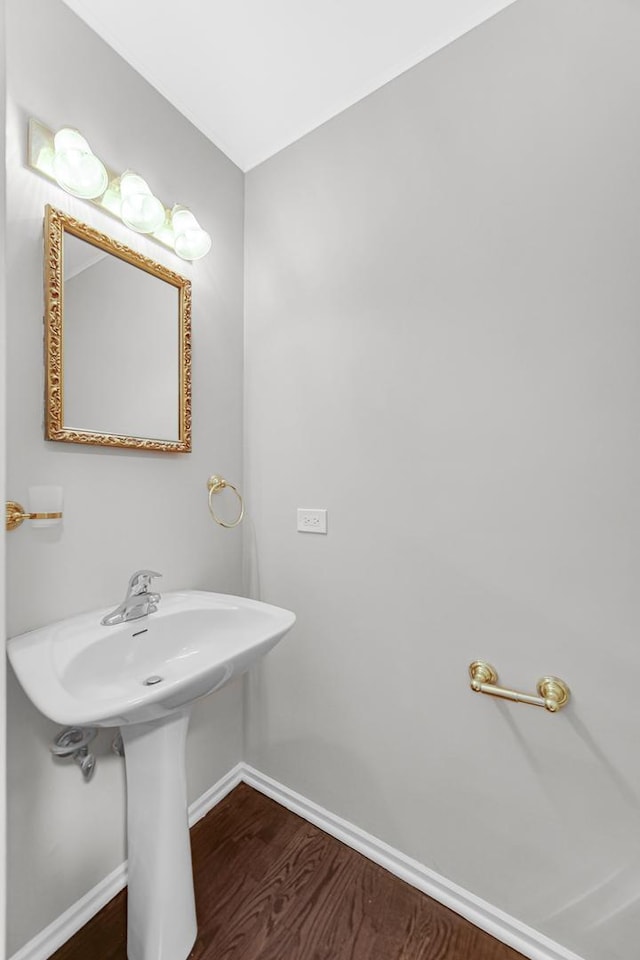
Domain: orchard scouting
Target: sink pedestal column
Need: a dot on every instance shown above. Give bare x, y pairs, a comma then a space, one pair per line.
161, 921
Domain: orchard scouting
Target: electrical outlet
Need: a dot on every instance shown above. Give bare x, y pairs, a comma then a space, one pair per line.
312, 521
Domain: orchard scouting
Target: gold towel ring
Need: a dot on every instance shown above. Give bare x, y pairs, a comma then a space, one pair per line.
215, 485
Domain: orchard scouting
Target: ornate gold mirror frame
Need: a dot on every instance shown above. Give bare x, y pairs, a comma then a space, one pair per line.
56, 225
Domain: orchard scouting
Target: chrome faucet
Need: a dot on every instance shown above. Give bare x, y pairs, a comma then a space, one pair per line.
138, 601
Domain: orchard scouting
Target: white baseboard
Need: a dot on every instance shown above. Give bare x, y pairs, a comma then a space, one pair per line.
63, 927
533, 945
44, 944
215, 794
500, 925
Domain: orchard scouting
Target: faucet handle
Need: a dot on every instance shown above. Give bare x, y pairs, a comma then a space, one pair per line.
140, 581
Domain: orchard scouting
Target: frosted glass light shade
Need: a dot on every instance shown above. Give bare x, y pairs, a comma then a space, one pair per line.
45, 500
140, 210
165, 233
75, 167
190, 240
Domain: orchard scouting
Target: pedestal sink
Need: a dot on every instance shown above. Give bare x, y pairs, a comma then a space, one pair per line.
142, 676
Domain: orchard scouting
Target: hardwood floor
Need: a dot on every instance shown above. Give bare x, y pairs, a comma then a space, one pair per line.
270, 886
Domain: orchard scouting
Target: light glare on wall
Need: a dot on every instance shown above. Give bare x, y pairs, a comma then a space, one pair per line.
67, 158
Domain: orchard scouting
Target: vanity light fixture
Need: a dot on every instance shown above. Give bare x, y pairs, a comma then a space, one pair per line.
191, 241
46, 508
75, 167
66, 158
139, 209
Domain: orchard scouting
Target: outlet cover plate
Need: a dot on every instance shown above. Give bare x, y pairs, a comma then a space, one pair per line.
311, 520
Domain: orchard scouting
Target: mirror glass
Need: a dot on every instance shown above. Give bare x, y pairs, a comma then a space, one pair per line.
121, 352
117, 343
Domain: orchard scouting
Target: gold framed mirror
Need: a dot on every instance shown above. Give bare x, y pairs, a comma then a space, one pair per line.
117, 343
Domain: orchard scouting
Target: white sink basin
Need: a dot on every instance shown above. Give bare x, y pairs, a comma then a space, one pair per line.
80, 672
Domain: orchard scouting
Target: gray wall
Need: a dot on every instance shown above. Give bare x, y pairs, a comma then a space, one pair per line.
123, 509
442, 348
3, 665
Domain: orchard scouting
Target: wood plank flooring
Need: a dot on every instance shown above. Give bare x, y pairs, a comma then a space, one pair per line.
270, 886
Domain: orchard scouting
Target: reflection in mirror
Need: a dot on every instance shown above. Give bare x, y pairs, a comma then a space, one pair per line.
118, 343
121, 371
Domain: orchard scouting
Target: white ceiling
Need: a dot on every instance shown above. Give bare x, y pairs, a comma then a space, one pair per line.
255, 75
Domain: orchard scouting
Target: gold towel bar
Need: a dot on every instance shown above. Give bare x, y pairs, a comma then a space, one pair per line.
553, 693
15, 514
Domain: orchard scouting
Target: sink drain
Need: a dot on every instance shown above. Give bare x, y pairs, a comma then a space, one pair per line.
150, 681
